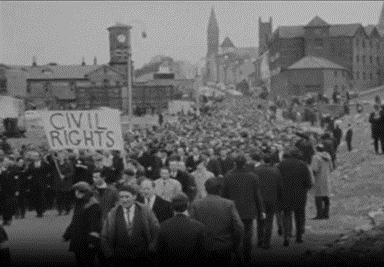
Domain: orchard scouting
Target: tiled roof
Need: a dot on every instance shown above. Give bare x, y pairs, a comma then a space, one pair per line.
290, 31
227, 43
61, 72
347, 30
315, 63
368, 29
317, 22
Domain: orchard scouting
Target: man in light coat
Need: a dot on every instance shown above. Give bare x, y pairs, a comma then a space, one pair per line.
321, 167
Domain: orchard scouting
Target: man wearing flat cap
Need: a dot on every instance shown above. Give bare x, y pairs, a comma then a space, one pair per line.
189, 244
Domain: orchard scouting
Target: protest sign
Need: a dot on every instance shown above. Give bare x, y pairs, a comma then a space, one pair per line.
88, 129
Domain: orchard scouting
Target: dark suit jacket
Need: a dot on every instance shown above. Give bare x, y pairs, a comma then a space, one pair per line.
224, 227
306, 149
271, 186
214, 167
243, 188
108, 200
296, 183
226, 165
186, 247
162, 208
39, 175
191, 164
187, 183
376, 125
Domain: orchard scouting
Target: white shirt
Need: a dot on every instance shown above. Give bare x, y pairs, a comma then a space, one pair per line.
151, 201
38, 164
129, 214
167, 188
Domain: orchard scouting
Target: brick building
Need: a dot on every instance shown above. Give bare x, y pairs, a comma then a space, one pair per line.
353, 47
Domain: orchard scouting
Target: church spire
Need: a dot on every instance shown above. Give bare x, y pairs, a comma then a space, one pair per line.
380, 25
213, 33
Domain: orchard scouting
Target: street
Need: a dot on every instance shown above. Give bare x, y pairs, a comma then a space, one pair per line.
34, 240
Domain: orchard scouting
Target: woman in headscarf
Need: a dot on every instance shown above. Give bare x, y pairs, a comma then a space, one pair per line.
83, 233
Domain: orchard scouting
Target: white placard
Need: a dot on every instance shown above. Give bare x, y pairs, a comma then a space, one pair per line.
88, 129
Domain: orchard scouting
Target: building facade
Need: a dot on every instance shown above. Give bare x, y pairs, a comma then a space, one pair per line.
356, 48
225, 63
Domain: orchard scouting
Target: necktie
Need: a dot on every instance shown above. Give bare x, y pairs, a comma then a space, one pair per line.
128, 217
148, 200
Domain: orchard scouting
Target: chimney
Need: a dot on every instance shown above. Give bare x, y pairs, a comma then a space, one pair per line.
95, 61
83, 62
34, 64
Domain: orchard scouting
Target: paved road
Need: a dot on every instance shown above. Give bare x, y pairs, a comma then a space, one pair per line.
36, 240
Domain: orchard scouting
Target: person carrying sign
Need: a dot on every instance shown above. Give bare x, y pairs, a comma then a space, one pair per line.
63, 180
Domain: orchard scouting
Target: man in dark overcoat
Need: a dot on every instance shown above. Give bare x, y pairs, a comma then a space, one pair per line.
376, 120
189, 245
271, 186
38, 172
243, 188
297, 181
223, 224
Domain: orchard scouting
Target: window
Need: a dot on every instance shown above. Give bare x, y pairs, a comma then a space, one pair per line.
371, 44
318, 42
336, 73
371, 76
371, 60
3, 85
28, 89
357, 58
364, 76
357, 42
363, 60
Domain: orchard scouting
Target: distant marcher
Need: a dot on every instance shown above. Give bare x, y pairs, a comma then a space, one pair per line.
321, 167
296, 183
243, 188
348, 137
375, 119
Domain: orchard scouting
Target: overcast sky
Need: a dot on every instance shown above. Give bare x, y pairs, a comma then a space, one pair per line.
63, 32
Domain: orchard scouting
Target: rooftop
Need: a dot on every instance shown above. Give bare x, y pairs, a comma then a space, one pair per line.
335, 30
317, 22
315, 63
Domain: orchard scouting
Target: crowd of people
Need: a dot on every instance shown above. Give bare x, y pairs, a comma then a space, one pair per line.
182, 192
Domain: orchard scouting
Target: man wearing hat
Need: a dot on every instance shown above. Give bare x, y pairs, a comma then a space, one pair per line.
130, 230
189, 244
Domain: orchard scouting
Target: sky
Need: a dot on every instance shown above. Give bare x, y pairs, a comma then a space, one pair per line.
64, 32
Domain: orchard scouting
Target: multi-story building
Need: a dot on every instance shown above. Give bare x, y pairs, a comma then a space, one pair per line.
226, 63
355, 48
87, 86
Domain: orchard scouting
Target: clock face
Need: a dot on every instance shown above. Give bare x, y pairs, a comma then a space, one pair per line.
121, 38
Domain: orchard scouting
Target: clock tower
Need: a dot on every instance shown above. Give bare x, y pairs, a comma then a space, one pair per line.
119, 46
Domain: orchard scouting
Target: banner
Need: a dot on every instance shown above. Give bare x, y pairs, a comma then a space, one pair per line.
87, 129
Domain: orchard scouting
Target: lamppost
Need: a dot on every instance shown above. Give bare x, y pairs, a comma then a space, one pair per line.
129, 66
